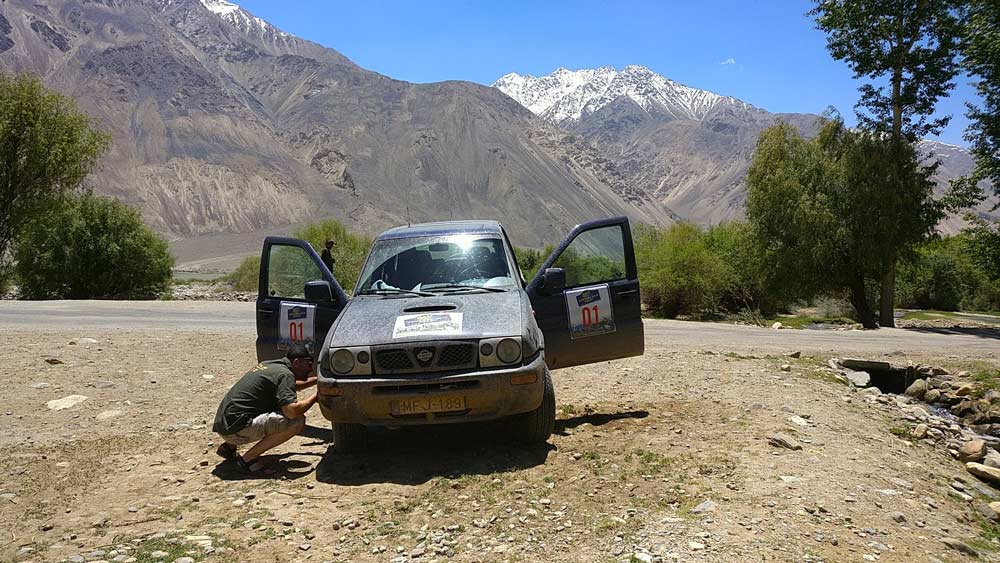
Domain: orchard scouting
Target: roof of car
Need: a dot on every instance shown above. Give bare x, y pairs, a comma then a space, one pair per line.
474, 227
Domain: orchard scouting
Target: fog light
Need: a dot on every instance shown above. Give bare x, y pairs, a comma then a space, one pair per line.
486, 349
508, 350
523, 378
363, 357
343, 361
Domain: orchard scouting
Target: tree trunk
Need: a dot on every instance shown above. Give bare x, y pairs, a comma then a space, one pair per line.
887, 297
861, 306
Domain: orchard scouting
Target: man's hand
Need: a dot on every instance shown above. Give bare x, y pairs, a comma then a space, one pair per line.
299, 408
305, 383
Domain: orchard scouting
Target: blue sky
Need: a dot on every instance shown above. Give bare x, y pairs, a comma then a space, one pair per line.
780, 61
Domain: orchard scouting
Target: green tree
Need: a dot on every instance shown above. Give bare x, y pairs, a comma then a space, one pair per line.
90, 247
907, 49
982, 63
47, 148
821, 208
349, 249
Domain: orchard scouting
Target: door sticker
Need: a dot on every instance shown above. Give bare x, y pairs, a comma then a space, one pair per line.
589, 311
296, 324
427, 324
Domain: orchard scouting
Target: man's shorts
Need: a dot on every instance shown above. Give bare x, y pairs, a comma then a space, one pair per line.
261, 426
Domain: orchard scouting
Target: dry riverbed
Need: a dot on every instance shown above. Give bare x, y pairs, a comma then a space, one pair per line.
660, 458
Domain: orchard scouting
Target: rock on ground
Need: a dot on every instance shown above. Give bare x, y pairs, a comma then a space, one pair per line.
66, 402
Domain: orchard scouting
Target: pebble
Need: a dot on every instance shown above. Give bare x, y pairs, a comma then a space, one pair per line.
184, 560
66, 402
706, 506
897, 517
305, 547
960, 546
781, 440
158, 554
696, 546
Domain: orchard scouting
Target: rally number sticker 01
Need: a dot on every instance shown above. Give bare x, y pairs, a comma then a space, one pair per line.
427, 324
589, 311
296, 324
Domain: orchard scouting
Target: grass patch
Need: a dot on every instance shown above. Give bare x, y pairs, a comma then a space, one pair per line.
803, 322
989, 536
900, 431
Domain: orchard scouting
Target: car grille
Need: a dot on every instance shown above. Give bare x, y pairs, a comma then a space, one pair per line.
424, 357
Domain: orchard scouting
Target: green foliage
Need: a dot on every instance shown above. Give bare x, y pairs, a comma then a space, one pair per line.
907, 49
349, 249
91, 247
529, 260
823, 211
679, 274
981, 52
246, 276
583, 269
47, 148
944, 275
982, 242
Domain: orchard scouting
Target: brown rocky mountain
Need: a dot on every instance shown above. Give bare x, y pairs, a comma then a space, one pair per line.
225, 127
689, 148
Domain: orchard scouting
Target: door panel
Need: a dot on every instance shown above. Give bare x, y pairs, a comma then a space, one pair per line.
284, 315
597, 316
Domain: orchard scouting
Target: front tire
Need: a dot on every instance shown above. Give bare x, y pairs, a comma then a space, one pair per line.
349, 438
535, 427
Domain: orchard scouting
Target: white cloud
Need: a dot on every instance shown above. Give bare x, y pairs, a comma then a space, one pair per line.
729, 61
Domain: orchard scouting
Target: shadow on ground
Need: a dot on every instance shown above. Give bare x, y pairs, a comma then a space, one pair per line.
992, 333
412, 456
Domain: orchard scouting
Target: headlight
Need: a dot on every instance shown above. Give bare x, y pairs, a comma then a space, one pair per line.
509, 351
342, 361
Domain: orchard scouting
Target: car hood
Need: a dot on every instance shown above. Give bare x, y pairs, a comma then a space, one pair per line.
374, 320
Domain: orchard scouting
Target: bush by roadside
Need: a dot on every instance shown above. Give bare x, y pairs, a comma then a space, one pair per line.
91, 247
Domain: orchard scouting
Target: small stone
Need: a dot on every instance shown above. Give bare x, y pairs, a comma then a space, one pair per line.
992, 458
795, 354
40, 385
965, 390
859, 378
798, 421
960, 546
106, 415
973, 450
706, 506
919, 431
53, 361
66, 402
83, 341
781, 440
305, 547
207, 376
777, 326
184, 560
696, 546
932, 396
158, 554
897, 517
786, 367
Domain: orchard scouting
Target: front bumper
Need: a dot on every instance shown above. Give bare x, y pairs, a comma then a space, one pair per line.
486, 395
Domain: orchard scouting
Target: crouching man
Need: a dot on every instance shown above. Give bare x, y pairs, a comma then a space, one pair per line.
262, 407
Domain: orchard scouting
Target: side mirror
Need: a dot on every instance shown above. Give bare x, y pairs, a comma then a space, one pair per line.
554, 280
318, 290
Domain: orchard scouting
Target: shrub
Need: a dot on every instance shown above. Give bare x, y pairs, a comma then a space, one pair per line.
91, 247
529, 260
680, 275
349, 249
245, 277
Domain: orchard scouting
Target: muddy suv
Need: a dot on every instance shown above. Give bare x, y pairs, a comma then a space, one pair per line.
443, 328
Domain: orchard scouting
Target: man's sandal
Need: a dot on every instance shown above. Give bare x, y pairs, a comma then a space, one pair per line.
255, 467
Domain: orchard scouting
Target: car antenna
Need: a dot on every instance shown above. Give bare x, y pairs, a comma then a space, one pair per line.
408, 216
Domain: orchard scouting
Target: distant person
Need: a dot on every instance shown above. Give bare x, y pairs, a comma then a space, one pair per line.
327, 255
263, 407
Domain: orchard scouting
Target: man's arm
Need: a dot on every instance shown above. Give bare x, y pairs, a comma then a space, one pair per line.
299, 408
305, 384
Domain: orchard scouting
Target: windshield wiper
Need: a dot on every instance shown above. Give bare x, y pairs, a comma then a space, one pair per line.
394, 291
456, 287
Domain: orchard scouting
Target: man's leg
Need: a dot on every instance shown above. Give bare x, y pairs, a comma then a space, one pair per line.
274, 439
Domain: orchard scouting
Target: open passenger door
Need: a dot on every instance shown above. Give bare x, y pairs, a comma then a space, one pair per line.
586, 296
298, 299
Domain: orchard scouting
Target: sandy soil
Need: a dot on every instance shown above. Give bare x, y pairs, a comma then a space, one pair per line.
640, 444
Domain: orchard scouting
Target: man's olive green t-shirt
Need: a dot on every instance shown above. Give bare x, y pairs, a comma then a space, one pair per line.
266, 388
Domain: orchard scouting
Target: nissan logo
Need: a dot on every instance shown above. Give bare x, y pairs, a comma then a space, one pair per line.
425, 356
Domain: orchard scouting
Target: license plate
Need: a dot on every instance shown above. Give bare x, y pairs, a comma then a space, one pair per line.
428, 404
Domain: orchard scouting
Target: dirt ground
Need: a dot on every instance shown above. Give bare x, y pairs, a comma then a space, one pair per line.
130, 473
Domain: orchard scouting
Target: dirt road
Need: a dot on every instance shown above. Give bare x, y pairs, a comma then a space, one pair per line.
660, 458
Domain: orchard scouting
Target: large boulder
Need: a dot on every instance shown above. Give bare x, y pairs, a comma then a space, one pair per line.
932, 396
973, 450
859, 378
865, 365
917, 389
985, 473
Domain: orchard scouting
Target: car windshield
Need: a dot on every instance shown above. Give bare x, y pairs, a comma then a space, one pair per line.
439, 264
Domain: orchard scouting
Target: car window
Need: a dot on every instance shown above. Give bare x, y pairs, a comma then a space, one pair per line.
288, 270
421, 263
594, 256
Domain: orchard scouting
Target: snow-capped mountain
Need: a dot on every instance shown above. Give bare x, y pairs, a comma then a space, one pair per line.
570, 95
241, 18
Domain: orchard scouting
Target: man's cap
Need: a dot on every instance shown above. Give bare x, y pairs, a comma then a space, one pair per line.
297, 351
329, 241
